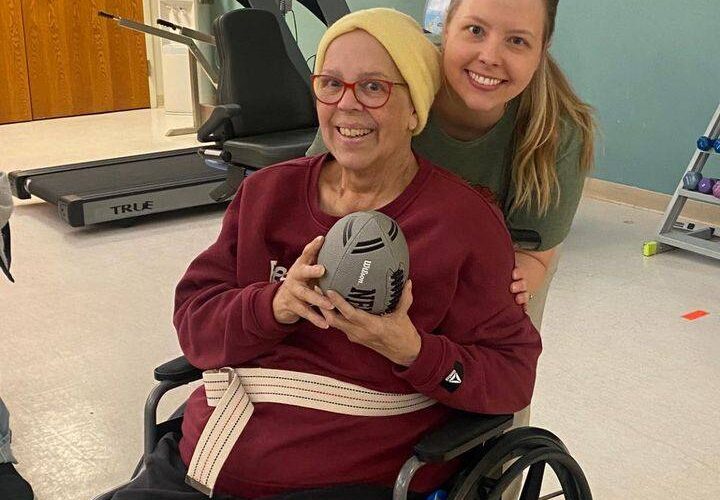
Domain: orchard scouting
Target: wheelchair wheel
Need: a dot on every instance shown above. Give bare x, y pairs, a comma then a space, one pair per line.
517, 450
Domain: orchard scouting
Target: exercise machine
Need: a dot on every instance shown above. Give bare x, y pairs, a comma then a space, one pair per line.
133, 186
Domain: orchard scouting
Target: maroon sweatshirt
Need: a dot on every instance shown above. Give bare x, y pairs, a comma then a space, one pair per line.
472, 332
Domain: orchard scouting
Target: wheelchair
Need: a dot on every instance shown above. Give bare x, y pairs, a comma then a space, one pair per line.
271, 118
492, 456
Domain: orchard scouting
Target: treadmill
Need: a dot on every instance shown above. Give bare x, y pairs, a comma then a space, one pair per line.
120, 188
134, 186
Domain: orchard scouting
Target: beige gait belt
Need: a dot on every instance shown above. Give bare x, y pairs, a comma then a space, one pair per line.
232, 391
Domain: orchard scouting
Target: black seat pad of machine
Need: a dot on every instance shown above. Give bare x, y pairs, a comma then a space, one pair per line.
267, 149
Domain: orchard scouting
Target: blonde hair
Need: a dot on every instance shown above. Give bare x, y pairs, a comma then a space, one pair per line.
546, 100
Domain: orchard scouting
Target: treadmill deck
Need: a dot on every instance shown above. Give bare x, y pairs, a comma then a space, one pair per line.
123, 174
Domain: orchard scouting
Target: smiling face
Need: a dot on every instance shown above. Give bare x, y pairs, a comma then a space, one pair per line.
491, 50
357, 136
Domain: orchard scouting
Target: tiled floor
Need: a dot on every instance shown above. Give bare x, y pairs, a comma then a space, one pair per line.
631, 388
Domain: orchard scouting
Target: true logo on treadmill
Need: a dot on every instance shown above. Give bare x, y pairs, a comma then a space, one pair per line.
132, 207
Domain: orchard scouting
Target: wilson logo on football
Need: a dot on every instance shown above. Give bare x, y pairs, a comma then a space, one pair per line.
364, 271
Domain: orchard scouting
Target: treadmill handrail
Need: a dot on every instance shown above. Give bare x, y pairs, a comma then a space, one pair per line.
210, 70
194, 34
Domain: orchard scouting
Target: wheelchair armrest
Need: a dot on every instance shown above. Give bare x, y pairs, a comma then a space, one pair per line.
463, 432
177, 370
221, 124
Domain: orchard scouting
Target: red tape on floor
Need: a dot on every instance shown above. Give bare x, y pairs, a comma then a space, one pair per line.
692, 316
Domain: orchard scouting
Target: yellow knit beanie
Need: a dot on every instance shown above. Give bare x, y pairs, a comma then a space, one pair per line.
414, 55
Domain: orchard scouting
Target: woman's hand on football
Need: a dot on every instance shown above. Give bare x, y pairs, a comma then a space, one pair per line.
297, 295
393, 335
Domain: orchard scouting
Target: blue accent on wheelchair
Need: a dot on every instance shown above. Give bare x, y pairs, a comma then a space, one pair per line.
437, 495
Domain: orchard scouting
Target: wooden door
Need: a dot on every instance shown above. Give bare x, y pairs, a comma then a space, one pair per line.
14, 87
81, 63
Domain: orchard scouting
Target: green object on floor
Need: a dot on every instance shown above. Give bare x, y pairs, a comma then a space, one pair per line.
650, 248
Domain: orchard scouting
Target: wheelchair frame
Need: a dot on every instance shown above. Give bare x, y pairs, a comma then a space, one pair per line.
465, 433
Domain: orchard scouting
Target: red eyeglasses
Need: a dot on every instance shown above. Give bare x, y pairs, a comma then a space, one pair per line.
371, 93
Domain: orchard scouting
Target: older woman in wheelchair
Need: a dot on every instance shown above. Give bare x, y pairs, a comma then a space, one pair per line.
305, 396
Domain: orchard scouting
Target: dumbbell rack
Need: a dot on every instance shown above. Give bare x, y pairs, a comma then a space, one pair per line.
695, 238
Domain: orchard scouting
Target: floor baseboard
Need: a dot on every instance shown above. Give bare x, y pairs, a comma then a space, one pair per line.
650, 200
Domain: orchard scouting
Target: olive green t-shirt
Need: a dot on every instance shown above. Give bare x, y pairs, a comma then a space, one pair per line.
486, 162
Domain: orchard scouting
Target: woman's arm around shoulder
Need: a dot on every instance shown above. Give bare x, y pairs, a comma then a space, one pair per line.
553, 226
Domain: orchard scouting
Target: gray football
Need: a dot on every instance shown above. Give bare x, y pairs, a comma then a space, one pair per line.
366, 261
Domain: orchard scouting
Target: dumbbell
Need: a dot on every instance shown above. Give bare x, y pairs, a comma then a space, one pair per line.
704, 143
716, 145
716, 190
706, 185
691, 180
